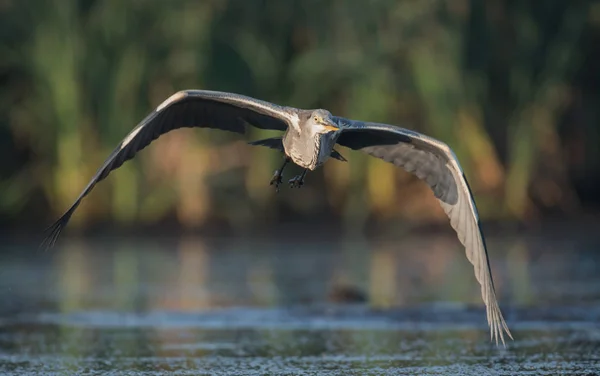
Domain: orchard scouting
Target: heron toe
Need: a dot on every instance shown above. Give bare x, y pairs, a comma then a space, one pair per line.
276, 180
296, 181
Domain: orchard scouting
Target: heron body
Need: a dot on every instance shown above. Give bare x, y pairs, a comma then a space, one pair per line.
308, 140
310, 144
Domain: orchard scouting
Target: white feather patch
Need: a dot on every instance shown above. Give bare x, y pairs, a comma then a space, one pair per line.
130, 137
173, 98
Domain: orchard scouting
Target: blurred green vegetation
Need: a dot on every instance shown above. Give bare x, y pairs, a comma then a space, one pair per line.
512, 86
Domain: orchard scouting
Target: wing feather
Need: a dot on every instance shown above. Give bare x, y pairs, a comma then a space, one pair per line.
189, 108
435, 163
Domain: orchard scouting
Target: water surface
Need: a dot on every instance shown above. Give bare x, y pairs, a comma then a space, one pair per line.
354, 307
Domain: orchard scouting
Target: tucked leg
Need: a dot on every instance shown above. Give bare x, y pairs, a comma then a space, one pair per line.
277, 179
298, 181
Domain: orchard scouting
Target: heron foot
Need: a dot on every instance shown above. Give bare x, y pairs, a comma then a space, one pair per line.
296, 181
277, 179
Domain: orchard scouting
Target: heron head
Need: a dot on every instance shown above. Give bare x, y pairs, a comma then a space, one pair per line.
322, 122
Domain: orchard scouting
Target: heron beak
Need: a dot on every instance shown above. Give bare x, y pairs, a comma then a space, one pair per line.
330, 126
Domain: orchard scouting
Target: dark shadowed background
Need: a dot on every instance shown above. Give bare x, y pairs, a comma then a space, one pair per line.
191, 224
512, 87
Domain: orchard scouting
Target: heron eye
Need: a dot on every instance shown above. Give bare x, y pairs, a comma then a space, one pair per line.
316, 119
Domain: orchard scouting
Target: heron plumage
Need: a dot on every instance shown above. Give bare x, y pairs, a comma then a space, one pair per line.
309, 140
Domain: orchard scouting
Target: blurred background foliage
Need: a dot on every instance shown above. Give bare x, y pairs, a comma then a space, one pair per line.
511, 86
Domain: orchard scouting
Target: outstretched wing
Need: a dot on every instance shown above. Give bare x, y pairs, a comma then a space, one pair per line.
190, 108
435, 163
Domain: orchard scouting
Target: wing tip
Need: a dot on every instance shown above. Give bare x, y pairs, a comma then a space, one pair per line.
52, 235
498, 328
53, 231
500, 334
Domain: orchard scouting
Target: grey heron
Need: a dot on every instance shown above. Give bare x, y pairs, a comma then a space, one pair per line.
308, 141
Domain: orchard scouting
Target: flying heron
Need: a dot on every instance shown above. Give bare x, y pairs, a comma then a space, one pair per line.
308, 141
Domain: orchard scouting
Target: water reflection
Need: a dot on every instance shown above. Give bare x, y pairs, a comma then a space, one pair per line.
268, 305
193, 274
